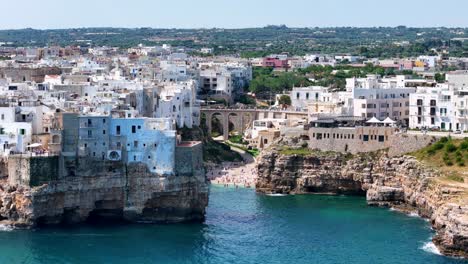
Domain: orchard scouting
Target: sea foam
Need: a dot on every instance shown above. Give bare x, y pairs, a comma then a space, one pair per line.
5, 228
413, 214
430, 247
277, 194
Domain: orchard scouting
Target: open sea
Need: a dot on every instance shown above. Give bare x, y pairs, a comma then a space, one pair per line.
241, 227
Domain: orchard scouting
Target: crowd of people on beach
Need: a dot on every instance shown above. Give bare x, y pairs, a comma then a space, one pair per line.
233, 174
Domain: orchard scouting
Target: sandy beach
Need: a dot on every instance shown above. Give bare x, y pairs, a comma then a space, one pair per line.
233, 174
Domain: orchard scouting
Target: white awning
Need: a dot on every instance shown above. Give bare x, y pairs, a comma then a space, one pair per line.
374, 120
388, 120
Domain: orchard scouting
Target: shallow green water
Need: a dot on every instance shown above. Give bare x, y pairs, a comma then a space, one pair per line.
241, 227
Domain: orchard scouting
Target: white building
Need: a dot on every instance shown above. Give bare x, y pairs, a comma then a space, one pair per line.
457, 78
383, 97
444, 107
224, 80
178, 102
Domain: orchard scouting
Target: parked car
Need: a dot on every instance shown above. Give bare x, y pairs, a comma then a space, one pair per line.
457, 132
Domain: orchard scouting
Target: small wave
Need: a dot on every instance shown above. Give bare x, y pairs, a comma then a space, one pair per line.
392, 209
5, 228
430, 247
413, 214
276, 194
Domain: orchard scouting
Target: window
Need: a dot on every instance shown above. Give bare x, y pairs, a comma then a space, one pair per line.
117, 129
365, 138
3, 116
104, 121
90, 133
133, 129
381, 138
135, 144
103, 132
139, 127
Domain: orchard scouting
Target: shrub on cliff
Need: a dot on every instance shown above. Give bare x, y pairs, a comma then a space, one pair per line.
450, 147
444, 140
464, 144
447, 160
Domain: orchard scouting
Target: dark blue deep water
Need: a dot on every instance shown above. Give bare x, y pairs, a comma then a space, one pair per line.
241, 227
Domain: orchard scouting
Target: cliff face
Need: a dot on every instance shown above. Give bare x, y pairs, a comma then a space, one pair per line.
400, 182
107, 191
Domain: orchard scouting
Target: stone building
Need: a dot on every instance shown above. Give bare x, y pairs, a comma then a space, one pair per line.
354, 135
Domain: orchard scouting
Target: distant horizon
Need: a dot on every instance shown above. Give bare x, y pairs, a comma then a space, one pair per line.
234, 28
241, 14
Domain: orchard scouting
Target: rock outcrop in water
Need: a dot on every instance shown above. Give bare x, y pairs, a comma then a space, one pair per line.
102, 190
400, 182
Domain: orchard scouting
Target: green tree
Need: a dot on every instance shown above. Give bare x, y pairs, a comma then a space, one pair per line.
284, 100
440, 78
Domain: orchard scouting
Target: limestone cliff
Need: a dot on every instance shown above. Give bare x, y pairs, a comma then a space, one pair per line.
33, 193
400, 182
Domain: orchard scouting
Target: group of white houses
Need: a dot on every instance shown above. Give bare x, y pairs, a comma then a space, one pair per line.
416, 103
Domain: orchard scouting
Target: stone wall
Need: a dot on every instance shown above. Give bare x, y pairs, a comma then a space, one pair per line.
43, 170
32, 171
189, 159
18, 170
405, 143
366, 139
28, 74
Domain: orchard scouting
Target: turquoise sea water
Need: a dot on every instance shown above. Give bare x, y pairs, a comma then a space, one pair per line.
241, 227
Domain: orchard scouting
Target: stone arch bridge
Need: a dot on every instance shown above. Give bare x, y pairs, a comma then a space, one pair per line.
245, 117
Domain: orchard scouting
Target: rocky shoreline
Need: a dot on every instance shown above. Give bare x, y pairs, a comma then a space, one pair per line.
121, 194
400, 182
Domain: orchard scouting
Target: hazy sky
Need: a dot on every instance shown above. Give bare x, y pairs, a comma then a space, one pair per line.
230, 13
